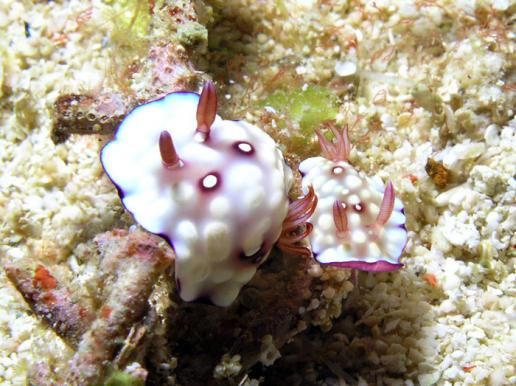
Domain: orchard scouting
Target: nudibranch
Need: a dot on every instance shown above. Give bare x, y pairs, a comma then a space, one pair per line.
216, 189
357, 223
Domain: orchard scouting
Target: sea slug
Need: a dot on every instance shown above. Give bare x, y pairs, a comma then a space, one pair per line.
216, 189
357, 223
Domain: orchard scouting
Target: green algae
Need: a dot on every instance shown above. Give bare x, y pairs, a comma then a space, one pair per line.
131, 25
192, 33
120, 378
307, 106
132, 17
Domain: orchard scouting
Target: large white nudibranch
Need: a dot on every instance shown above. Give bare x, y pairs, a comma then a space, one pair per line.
217, 190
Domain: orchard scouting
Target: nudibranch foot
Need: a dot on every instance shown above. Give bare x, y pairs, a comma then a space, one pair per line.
357, 223
299, 212
379, 266
216, 190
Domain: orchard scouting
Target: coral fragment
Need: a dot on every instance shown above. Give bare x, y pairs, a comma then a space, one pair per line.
124, 255
52, 301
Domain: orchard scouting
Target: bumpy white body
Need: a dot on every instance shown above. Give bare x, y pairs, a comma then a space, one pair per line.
224, 204
338, 180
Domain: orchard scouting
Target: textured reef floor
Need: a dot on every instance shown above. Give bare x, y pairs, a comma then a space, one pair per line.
428, 89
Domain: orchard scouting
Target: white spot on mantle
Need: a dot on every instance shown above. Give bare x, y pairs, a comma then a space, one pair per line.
210, 181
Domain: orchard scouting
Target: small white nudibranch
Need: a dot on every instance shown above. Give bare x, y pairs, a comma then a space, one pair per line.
357, 223
215, 189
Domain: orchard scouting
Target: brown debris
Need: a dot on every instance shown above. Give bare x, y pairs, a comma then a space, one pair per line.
132, 263
52, 301
88, 114
134, 338
438, 173
100, 113
165, 63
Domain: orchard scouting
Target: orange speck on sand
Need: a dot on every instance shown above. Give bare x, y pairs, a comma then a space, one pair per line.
105, 312
83, 312
84, 17
49, 299
468, 369
412, 178
430, 279
59, 38
44, 279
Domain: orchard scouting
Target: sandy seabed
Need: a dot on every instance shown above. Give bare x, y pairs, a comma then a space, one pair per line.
429, 90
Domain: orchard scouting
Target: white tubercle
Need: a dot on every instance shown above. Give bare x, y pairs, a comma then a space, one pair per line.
222, 209
362, 246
